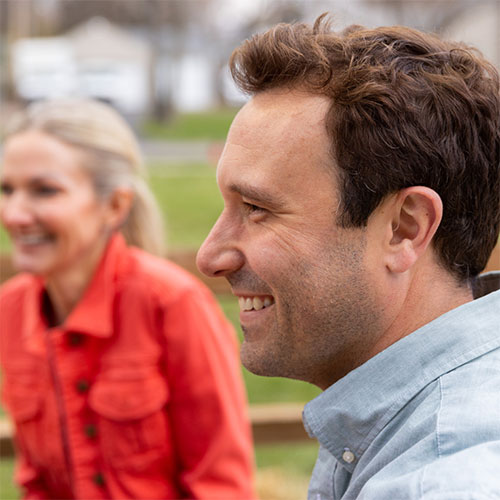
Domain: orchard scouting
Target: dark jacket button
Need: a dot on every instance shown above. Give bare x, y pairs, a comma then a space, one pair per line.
75, 339
99, 479
82, 385
90, 431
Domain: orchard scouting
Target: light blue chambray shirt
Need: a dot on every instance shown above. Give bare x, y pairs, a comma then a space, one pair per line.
421, 419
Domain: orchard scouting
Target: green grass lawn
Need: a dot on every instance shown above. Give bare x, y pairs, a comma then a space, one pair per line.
4, 240
7, 489
210, 125
189, 199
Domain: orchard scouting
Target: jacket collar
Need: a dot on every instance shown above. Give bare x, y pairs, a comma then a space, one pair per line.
350, 413
93, 315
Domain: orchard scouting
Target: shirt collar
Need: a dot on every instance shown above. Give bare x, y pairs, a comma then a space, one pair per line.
348, 415
93, 315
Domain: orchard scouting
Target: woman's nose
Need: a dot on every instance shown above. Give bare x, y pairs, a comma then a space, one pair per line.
15, 210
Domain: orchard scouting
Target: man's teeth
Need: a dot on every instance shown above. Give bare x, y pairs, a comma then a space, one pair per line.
254, 303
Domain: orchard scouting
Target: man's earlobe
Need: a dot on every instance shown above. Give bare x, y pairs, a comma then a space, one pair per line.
416, 215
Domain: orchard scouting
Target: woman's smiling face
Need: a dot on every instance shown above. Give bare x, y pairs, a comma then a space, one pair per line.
49, 207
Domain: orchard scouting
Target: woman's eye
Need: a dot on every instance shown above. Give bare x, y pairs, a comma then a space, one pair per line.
5, 189
46, 190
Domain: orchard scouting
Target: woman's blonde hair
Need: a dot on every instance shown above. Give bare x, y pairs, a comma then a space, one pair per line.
112, 157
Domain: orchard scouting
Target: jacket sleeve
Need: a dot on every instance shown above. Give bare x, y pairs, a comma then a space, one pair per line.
28, 478
208, 408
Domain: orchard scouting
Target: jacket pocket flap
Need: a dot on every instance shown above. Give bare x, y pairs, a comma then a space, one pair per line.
22, 401
128, 399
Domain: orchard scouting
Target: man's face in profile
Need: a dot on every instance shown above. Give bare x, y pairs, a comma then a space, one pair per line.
305, 305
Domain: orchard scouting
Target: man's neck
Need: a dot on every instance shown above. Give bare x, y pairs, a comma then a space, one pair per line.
430, 294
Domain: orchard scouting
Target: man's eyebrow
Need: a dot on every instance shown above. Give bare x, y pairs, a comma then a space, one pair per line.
258, 195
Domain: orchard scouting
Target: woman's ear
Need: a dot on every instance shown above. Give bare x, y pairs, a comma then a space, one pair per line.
119, 205
415, 215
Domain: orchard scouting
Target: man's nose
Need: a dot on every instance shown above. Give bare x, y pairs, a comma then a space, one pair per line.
219, 254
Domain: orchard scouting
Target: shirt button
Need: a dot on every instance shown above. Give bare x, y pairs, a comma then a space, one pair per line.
99, 479
75, 339
90, 431
348, 456
82, 385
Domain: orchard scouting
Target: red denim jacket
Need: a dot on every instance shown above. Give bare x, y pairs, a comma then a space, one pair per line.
137, 395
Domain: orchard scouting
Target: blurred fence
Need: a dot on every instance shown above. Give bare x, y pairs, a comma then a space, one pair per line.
271, 423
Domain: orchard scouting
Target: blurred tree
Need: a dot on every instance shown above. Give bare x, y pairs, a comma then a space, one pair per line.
132, 12
426, 15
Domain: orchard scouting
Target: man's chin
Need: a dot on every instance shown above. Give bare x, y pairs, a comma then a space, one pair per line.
264, 361
258, 360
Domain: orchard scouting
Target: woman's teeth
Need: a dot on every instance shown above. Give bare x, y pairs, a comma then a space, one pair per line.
31, 239
254, 303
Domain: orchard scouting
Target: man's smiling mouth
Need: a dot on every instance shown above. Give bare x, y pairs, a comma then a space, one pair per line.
255, 303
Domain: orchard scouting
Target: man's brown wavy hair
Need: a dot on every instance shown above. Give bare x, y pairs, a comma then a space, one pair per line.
407, 108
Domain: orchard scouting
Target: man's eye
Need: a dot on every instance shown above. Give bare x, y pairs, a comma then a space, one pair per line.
250, 208
254, 213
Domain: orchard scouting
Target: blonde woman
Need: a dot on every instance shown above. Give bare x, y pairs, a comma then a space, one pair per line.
119, 370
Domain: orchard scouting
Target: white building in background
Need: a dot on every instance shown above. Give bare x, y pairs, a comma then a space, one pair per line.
113, 65
96, 59
99, 59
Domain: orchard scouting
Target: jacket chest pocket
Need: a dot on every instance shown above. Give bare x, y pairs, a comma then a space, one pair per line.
133, 428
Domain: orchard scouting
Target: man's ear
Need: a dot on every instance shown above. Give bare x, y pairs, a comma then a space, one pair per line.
415, 215
119, 206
